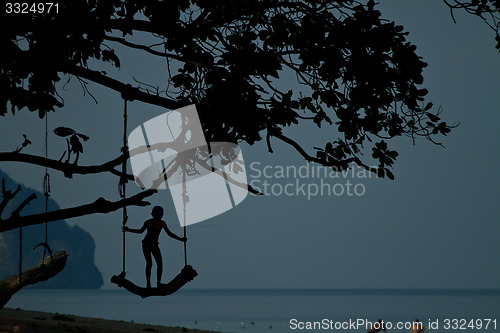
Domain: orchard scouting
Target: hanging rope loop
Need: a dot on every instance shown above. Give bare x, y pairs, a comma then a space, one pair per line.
46, 185
46, 194
122, 187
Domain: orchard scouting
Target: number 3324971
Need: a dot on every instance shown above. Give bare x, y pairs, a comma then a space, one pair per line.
31, 8
472, 324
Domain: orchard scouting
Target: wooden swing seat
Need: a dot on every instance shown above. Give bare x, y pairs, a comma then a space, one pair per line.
186, 275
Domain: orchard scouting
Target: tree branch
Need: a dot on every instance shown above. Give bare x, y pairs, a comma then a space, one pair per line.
339, 164
304, 154
127, 91
127, 25
244, 186
70, 168
7, 195
47, 268
124, 42
101, 205
26, 202
67, 168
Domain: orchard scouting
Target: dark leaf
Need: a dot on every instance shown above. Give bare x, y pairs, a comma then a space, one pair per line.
64, 131
76, 145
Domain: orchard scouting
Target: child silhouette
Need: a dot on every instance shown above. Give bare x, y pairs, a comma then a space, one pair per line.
150, 242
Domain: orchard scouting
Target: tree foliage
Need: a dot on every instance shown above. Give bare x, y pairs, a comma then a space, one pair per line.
356, 73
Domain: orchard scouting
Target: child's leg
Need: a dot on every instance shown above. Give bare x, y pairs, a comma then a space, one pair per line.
159, 263
146, 250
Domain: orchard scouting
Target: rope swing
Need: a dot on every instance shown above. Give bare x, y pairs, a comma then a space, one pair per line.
187, 273
46, 194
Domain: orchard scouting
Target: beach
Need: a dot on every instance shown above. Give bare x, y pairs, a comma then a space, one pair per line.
44, 322
247, 311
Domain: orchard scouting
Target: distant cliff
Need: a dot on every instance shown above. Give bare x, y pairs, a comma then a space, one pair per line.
80, 271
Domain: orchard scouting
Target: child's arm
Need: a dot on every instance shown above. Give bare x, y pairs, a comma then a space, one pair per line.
135, 231
171, 234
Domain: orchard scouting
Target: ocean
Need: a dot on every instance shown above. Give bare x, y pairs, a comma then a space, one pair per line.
248, 311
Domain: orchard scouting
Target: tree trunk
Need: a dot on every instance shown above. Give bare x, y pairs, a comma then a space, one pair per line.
47, 268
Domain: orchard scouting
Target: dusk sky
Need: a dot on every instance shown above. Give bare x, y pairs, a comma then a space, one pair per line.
437, 225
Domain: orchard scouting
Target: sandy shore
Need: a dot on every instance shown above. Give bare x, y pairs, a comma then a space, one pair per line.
43, 322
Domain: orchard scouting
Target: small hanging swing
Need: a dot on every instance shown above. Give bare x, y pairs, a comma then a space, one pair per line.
187, 273
46, 194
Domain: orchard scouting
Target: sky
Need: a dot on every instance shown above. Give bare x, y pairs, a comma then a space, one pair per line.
435, 226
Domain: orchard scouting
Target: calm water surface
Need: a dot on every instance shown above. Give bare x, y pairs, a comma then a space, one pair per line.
270, 310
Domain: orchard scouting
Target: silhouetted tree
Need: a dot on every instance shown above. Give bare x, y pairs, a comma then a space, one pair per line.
356, 73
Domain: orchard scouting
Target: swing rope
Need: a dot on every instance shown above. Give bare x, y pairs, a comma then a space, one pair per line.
20, 252
123, 181
46, 188
184, 201
46, 194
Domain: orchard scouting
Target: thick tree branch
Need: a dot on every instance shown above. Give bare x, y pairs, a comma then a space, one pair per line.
47, 268
127, 91
101, 205
70, 168
124, 42
67, 168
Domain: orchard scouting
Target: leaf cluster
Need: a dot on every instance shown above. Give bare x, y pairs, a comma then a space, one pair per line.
355, 72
